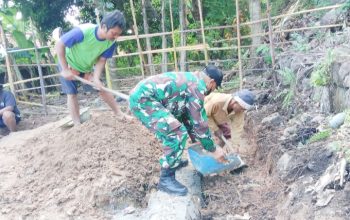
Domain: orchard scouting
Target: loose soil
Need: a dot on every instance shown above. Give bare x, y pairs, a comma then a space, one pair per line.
85, 172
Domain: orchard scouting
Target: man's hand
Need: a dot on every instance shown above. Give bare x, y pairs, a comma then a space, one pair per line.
67, 74
219, 155
122, 116
218, 134
98, 84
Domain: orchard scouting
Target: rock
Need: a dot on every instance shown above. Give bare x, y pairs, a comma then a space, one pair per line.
283, 164
342, 77
341, 99
306, 118
337, 120
325, 99
317, 120
273, 120
331, 17
289, 131
129, 210
323, 198
71, 211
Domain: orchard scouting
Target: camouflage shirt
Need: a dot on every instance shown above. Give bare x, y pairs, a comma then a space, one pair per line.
183, 95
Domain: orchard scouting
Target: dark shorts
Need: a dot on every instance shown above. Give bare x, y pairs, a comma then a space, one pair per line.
2, 124
69, 86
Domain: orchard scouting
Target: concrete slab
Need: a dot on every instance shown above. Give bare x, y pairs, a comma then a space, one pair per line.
168, 207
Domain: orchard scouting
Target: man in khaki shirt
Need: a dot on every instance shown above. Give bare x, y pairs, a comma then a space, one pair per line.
221, 108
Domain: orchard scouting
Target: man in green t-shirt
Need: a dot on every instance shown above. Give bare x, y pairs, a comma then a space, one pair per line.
84, 50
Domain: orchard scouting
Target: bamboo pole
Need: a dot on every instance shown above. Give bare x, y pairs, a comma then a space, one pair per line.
206, 57
239, 46
40, 71
7, 59
137, 38
272, 48
37, 104
164, 67
172, 34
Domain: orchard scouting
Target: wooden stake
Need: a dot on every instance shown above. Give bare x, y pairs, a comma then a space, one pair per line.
40, 71
272, 48
239, 46
206, 57
172, 34
137, 38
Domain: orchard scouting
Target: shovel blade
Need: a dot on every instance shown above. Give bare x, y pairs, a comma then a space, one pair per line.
204, 163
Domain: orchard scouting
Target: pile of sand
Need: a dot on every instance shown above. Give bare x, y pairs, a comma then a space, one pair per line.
85, 172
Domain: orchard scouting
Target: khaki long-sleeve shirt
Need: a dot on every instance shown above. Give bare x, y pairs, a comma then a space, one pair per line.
218, 117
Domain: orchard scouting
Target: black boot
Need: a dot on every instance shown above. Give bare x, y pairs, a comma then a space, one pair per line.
168, 183
182, 163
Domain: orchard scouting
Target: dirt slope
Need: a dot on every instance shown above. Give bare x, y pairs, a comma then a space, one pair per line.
85, 172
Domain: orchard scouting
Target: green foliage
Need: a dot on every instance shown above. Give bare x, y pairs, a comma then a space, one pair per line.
289, 80
300, 43
346, 5
21, 40
277, 6
45, 16
264, 50
322, 135
321, 73
234, 83
316, 3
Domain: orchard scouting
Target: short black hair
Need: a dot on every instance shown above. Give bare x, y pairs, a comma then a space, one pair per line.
114, 19
214, 73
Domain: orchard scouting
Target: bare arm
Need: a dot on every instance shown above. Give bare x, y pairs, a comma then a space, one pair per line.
61, 54
7, 108
99, 67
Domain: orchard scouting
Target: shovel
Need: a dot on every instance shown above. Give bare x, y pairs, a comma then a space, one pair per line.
119, 94
206, 164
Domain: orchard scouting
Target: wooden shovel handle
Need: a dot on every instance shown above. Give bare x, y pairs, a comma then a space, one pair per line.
121, 95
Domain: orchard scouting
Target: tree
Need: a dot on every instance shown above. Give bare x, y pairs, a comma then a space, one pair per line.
46, 15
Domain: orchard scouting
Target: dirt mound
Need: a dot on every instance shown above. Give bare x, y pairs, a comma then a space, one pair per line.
85, 172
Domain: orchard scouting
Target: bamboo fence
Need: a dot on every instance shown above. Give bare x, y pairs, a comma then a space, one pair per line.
201, 47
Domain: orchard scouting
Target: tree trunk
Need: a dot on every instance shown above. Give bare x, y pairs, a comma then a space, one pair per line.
182, 15
164, 42
148, 41
255, 14
195, 10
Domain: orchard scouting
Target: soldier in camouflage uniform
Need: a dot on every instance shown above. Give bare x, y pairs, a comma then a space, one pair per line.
171, 106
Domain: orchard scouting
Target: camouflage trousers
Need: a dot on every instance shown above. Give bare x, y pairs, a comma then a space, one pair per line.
169, 130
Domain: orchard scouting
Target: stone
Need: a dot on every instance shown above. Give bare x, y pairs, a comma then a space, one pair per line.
341, 74
272, 120
283, 164
341, 99
337, 120
323, 198
164, 206
289, 131
331, 17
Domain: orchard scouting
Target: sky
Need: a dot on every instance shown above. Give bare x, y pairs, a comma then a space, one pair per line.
72, 15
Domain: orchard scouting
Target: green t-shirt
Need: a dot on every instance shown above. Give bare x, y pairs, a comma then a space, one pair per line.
83, 47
